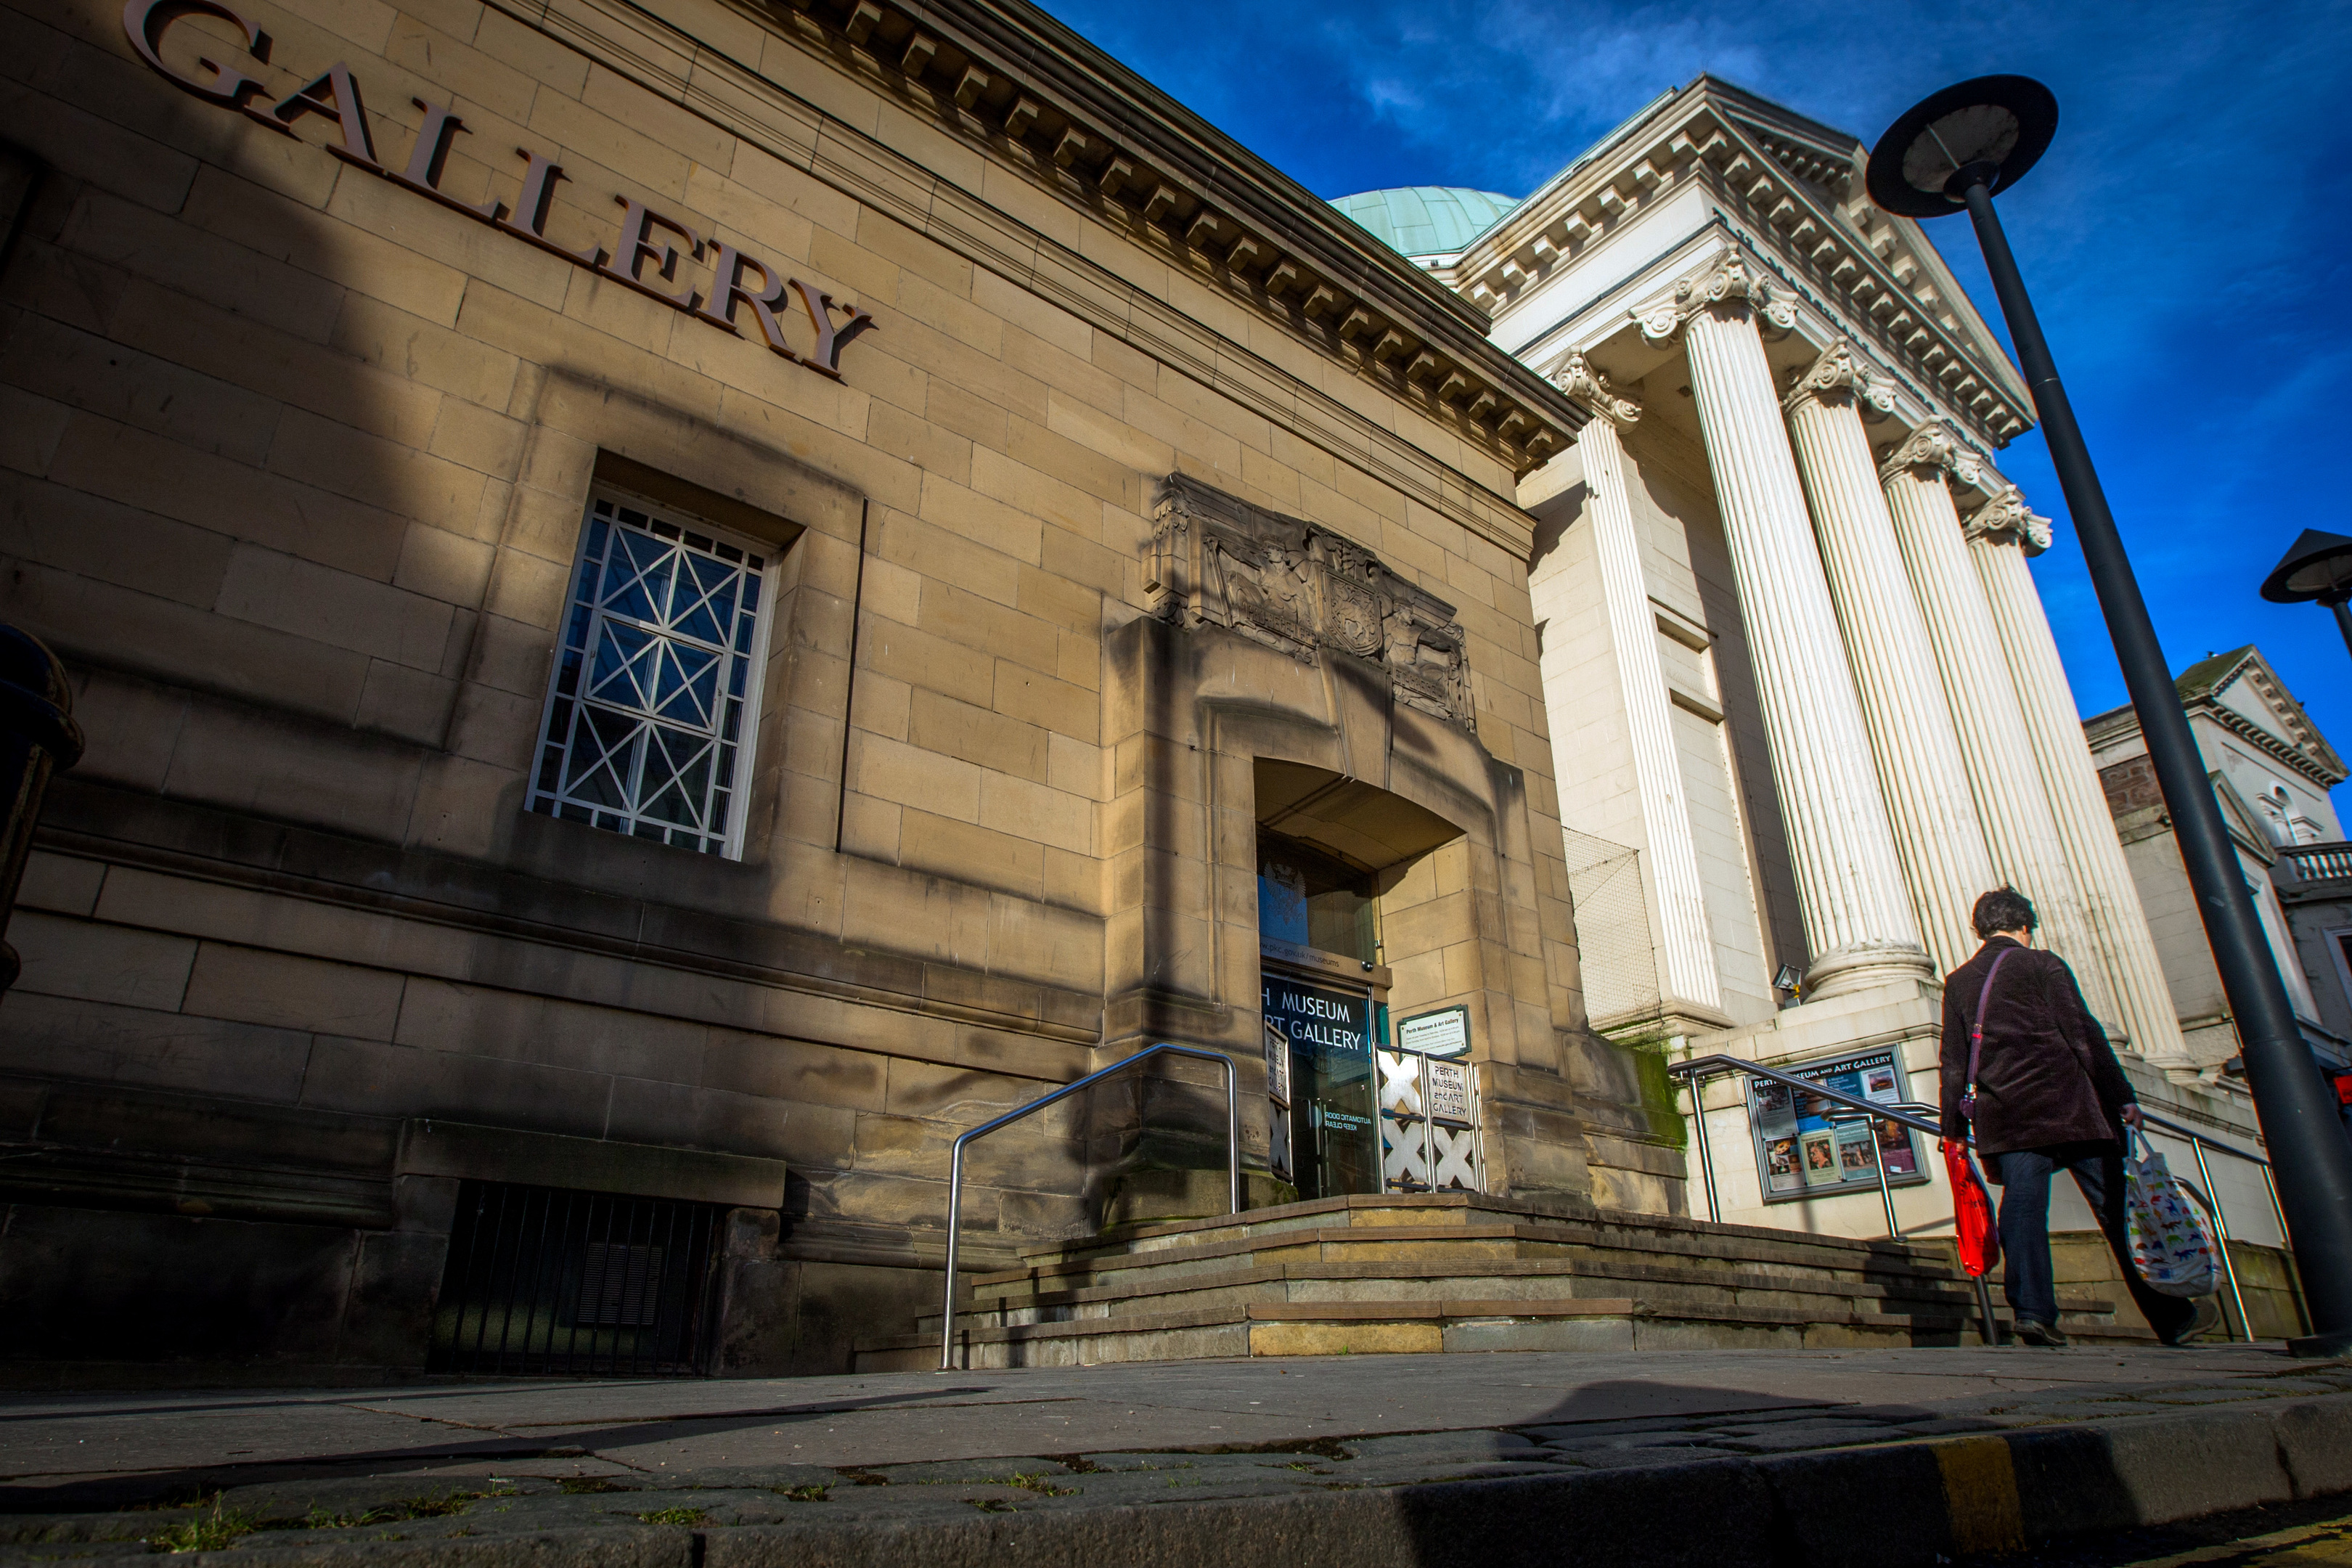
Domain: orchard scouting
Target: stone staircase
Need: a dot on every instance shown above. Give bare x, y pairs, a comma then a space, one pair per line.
1453, 1271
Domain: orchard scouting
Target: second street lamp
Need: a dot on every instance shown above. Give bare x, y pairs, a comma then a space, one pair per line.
1953, 151
2318, 566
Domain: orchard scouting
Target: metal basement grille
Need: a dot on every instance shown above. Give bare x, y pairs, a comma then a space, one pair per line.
547, 1283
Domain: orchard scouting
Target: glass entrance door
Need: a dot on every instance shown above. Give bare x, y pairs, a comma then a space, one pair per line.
1334, 1120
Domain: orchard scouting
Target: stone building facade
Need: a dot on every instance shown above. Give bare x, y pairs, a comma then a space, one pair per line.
676, 605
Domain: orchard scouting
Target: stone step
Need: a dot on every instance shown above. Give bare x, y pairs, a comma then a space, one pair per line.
1408, 1247
1462, 1324
1454, 1271
1009, 1302
1456, 1211
1358, 1283
1438, 1215
1433, 1208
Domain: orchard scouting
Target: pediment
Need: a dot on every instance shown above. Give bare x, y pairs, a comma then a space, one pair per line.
2248, 698
1791, 190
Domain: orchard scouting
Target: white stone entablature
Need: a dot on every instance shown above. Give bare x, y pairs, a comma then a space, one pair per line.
1789, 190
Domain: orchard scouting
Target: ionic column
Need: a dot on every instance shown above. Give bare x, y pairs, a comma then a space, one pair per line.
1686, 945
1858, 921
2003, 772
2001, 534
1936, 835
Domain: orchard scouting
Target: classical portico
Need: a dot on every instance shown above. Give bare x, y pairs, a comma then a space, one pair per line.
1907, 694
1858, 924
1988, 716
1920, 769
1796, 667
2002, 534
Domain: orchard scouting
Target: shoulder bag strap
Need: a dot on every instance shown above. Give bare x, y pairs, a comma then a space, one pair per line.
1976, 1035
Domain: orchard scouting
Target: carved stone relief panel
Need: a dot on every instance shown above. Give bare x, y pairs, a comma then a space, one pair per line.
1216, 560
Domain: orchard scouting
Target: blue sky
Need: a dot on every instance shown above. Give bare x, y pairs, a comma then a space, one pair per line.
2188, 239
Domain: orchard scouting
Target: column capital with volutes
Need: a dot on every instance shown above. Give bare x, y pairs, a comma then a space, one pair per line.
1730, 278
1576, 377
1937, 444
1841, 369
2007, 520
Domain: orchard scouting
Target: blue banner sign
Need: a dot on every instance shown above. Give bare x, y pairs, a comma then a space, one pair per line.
1318, 1017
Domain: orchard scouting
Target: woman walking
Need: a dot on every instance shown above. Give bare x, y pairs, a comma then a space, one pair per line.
2049, 1097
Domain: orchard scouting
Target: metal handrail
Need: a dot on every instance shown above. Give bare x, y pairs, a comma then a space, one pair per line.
1701, 1067
1928, 1119
955, 1159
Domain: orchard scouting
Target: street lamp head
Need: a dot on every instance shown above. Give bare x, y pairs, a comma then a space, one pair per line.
2316, 566
1988, 132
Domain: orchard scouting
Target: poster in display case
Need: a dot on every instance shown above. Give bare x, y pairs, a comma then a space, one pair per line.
1801, 1153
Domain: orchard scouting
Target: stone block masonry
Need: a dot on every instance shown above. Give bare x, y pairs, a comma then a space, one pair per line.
319, 365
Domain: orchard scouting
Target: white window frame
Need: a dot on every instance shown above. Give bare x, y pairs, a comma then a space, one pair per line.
580, 634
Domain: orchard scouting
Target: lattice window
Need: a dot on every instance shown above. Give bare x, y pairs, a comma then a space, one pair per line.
657, 682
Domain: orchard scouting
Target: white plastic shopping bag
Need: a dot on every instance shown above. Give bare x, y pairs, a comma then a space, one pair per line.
2170, 1245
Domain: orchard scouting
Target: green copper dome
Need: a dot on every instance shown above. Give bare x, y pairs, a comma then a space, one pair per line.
1426, 220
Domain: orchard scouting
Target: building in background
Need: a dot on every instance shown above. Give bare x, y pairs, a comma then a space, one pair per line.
2272, 771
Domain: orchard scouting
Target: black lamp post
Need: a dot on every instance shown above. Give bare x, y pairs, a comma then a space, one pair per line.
2318, 566
1954, 151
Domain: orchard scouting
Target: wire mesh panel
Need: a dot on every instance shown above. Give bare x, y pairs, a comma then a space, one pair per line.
1615, 950
544, 1282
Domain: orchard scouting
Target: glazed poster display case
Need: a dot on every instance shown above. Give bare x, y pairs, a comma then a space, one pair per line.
1808, 1146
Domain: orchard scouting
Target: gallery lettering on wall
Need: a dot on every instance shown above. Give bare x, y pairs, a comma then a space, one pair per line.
737, 278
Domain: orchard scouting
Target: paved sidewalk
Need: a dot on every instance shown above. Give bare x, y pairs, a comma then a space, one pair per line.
872, 1468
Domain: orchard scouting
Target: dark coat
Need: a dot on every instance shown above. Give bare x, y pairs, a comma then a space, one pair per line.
2047, 1074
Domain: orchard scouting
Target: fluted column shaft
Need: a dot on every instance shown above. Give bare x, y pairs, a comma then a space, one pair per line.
1686, 942
2002, 774
1925, 784
1857, 918
2086, 828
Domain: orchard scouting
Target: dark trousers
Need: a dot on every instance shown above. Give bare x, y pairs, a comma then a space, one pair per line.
2026, 1271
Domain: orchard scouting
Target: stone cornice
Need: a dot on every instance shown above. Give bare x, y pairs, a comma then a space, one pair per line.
1884, 285
2318, 759
2269, 746
2313, 760
1840, 369
1588, 385
1730, 278
1006, 76
2007, 520
1936, 445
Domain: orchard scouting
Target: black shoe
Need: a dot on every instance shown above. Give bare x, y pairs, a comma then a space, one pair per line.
2207, 1318
2029, 1332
